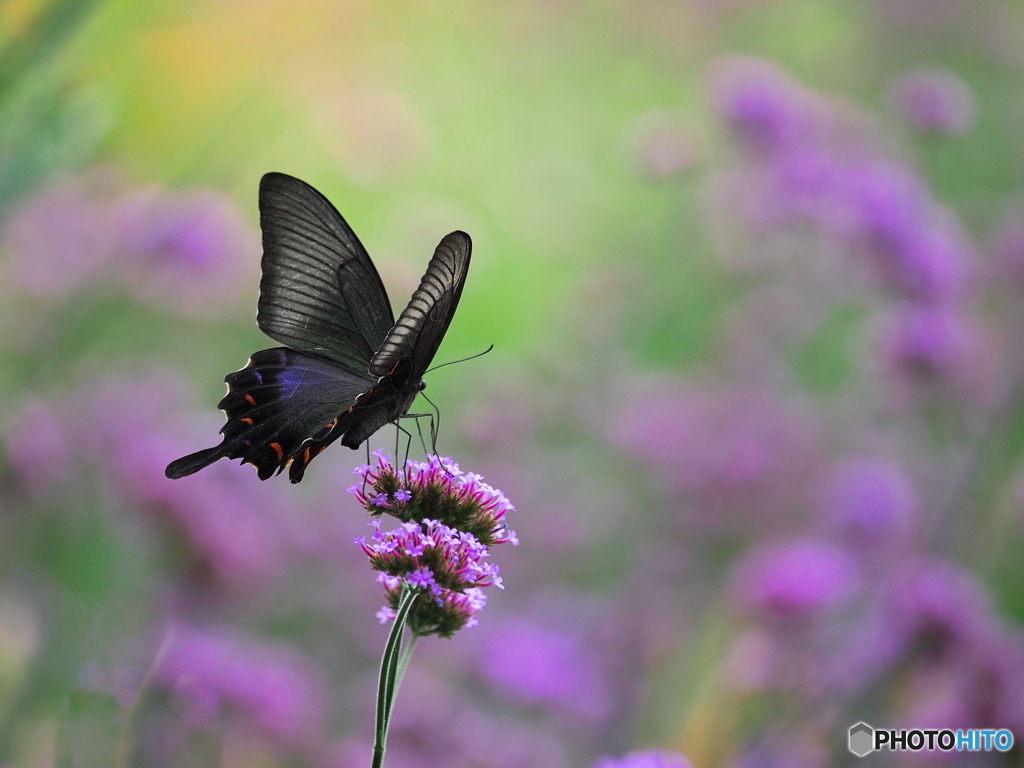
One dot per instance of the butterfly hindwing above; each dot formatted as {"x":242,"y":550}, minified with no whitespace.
{"x":320,"y":292}
{"x":283,"y":409}
{"x":421,"y":327}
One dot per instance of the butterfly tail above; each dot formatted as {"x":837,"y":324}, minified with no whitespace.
{"x":188,"y":465}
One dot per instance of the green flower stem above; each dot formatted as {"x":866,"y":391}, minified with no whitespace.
{"x":391,"y":671}
{"x":403,"y":664}
{"x":124,"y":742}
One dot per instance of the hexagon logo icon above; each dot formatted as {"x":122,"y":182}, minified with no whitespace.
{"x":861,"y":739}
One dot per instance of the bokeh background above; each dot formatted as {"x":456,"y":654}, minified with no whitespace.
{"x":754,"y":274}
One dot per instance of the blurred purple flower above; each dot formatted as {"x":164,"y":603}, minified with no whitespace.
{"x":934,"y":265}
{"x":803,"y":183}
{"x":981,"y":685}
{"x":272,"y":686}
{"x":934,"y":101}
{"x":959,"y":664}
{"x":938,"y":611}
{"x":791,"y":581}
{"x":60,"y":239}
{"x":850,"y":192}
{"x":871,"y":503}
{"x":186,"y":252}
{"x":929,"y":346}
{"x":645,"y":759}
{"x":729,"y":449}
{"x":930,"y":340}
{"x":39,"y":447}
{"x":764,"y":108}
{"x":887,"y":204}
{"x":536,"y":663}
{"x":918,"y":249}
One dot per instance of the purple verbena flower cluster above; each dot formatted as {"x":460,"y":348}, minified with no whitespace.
{"x":449,"y":519}
{"x":445,"y":563}
{"x":436,"y":489}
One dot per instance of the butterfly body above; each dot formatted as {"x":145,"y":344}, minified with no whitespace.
{"x":349,"y":367}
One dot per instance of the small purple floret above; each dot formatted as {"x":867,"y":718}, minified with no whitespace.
{"x":934,"y":101}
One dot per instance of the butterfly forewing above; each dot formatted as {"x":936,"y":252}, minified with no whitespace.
{"x":421,"y":327}
{"x":320,"y":293}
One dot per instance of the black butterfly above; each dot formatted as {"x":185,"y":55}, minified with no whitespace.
{"x":349,"y":368}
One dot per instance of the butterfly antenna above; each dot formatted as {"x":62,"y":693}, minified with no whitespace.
{"x":463,"y":360}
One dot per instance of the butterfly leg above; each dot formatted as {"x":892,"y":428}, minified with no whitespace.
{"x":367,"y":444}
{"x":408,"y":442}
{"x":435,"y":427}
{"x":419,"y":427}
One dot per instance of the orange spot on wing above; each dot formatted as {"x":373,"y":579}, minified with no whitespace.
{"x":305,"y":455}
{"x":278,"y":450}
{"x":250,"y":399}
{"x":247,"y":420}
